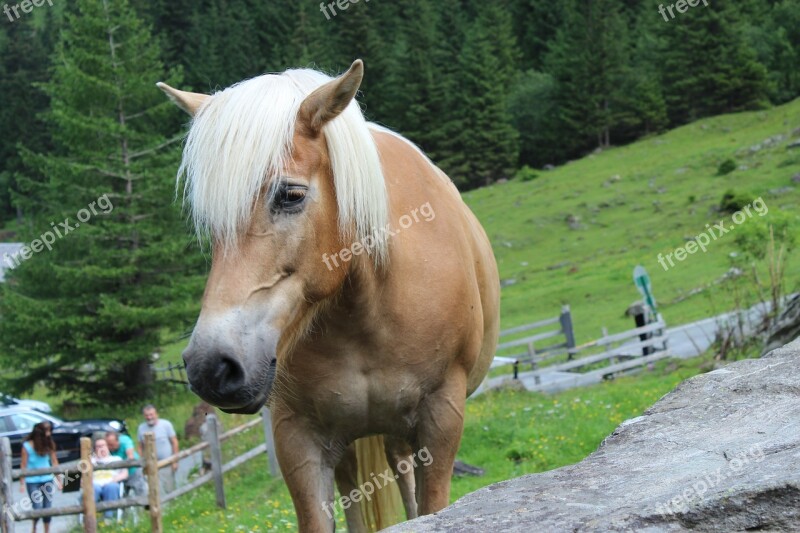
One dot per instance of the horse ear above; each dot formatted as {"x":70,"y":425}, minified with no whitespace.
{"x":327,"y":102}
{"x":189,"y":102}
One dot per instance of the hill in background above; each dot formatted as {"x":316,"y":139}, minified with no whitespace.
{"x":573,"y":234}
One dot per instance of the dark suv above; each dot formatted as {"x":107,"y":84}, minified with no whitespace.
{"x":16,"y":423}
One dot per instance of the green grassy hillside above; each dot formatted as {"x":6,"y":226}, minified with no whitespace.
{"x":630,"y":204}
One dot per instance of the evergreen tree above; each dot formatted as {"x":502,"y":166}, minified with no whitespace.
{"x":589,"y":59}
{"x":782,"y":31}
{"x":534,"y":114}
{"x":309,"y":45}
{"x":489,"y":144}
{"x":707,"y":67}
{"x":85,"y":316}
{"x":409,"y":76}
{"x":223,"y":45}
{"x":535,"y":25}
{"x":25,"y":49}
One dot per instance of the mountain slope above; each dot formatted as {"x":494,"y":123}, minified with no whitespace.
{"x":574,"y":234}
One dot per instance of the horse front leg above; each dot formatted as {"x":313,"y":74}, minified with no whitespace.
{"x":346,"y":474}
{"x":439,"y":429}
{"x":307,"y":469}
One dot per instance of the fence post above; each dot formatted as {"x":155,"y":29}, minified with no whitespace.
{"x":569,"y":333}
{"x":641,"y":318}
{"x":607,"y":346}
{"x":153,"y":482}
{"x":87,"y":487}
{"x":212,"y":437}
{"x":6,"y":483}
{"x":274,"y":467}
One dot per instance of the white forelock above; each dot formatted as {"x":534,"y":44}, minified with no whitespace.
{"x":241,"y":139}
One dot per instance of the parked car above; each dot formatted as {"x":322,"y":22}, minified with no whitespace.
{"x":16,"y":423}
{"x":10,"y":401}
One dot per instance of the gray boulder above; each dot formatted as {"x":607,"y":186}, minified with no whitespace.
{"x":719,"y":453}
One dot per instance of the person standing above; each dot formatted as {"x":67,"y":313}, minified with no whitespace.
{"x":39,"y":451}
{"x":166,"y":444}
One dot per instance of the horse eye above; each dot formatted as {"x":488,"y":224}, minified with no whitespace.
{"x":289,"y":198}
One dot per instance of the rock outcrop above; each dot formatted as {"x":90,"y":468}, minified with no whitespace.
{"x":719,"y":453}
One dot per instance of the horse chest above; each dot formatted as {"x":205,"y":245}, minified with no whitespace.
{"x":364,"y":404}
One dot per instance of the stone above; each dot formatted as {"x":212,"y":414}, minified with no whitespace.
{"x":719,"y":453}
{"x":780,"y":191}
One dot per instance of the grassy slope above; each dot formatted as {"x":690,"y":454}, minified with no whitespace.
{"x":526,"y":222}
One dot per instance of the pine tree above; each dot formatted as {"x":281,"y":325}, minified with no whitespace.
{"x":85,"y":316}
{"x":535,"y":25}
{"x":782,"y":32}
{"x":25,"y":49}
{"x":489,"y":144}
{"x":589,"y":60}
{"x":309,"y":45}
{"x":706,"y":65}
{"x":411,"y":72}
{"x":534,"y":115}
{"x":223,"y":45}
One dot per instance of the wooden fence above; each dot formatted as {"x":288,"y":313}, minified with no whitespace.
{"x":523,"y":349}
{"x":173,"y":373}
{"x":589,"y":363}
{"x":153,"y":500}
{"x":606,"y":357}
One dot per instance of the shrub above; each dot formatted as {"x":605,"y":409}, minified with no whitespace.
{"x":753,"y":237}
{"x":734,"y":201}
{"x":526,"y":173}
{"x":726,"y":167}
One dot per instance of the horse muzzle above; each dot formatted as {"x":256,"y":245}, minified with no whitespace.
{"x":236,"y":381}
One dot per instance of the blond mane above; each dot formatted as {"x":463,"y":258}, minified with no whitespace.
{"x":241,"y":139}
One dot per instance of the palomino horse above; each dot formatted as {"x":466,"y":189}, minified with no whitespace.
{"x":350,"y":286}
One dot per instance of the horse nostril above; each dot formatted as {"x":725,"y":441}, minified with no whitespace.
{"x":229,"y":376}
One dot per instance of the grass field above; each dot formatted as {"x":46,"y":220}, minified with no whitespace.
{"x":630,"y":204}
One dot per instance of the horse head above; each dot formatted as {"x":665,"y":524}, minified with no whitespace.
{"x":278,"y":171}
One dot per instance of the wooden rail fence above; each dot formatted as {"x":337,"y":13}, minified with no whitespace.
{"x":523,"y":349}
{"x":586,"y":364}
{"x":13,"y":512}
